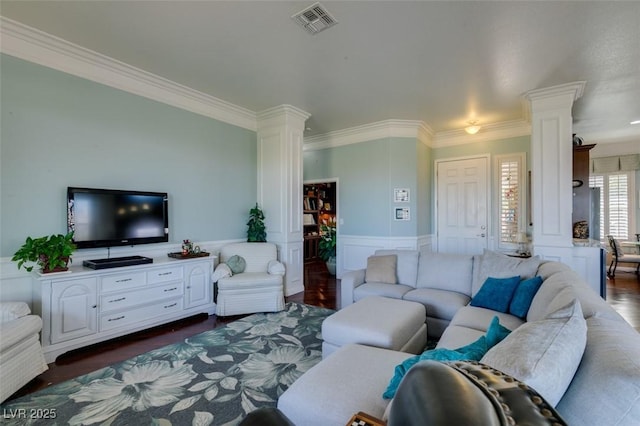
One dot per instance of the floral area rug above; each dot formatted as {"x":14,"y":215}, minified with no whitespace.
{"x":212,"y":378}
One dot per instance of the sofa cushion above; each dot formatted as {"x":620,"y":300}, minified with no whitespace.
{"x":255,"y":280}
{"x":439,"y":303}
{"x":480,"y":318}
{"x":442,"y":271}
{"x":523,"y":296}
{"x":544,"y":354}
{"x":455,"y":336}
{"x":381,"y":269}
{"x":606,"y":388}
{"x":407,"y":266}
{"x":395,"y":291}
{"x":498,"y":265}
{"x":496,"y":293}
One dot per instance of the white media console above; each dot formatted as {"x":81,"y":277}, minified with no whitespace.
{"x":86,"y":306}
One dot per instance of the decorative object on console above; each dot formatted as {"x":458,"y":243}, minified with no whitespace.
{"x":581,"y":230}
{"x":523,"y":243}
{"x":187,"y":246}
{"x":256,"y":232}
{"x":51,"y":253}
{"x":577,"y":140}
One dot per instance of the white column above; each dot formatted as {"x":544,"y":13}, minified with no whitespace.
{"x":551,"y":165}
{"x":280,"y":138}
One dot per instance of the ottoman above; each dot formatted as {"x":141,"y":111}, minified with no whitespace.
{"x":377,"y":321}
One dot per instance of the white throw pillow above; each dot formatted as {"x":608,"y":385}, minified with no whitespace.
{"x":544,"y":354}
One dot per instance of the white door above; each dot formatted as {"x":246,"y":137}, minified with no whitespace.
{"x":462,"y":207}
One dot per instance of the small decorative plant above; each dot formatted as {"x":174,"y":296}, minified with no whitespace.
{"x":256,"y":232}
{"x":51,"y":253}
{"x":327,"y":244}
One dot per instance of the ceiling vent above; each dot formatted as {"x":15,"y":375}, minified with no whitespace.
{"x":314,"y":18}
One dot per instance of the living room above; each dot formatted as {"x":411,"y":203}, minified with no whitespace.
{"x":76,"y":115}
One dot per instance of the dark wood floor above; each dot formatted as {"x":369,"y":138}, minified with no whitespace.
{"x":321,"y":289}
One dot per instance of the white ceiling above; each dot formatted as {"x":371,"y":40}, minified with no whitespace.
{"x":444,"y":63}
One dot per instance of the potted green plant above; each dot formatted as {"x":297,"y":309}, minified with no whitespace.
{"x":256,"y":232}
{"x":327,"y":247}
{"x":51,"y":253}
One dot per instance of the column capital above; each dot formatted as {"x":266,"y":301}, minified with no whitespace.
{"x":280,"y":115}
{"x":569,"y":91}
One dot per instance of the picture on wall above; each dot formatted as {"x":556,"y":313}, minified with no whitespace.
{"x":401,"y":195}
{"x":402,"y":213}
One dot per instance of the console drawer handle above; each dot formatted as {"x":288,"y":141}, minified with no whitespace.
{"x":170,"y":306}
{"x":117,"y":300}
{"x":170,"y":289}
{"x":124,"y":280}
{"x":116,"y":318}
{"x":164,"y":273}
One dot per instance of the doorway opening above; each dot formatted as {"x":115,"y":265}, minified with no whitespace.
{"x":320,"y":223}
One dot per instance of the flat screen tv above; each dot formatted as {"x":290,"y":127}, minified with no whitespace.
{"x":111,"y":217}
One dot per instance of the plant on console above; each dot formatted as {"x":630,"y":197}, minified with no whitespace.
{"x":51,"y":253}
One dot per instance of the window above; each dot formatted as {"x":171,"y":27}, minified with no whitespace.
{"x":511,"y":187}
{"x":615,"y":207}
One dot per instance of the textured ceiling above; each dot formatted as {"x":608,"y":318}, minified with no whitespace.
{"x":444,"y":63}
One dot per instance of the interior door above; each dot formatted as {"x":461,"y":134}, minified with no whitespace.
{"x":462,"y":205}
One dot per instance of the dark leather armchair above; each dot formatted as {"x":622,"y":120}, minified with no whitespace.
{"x":467,"y":393}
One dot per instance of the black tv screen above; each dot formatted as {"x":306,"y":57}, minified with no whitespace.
{"x":111,"y":217}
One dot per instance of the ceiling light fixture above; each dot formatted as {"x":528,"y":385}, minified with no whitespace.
{"x":473,"y":127}
{"x":635,"y":122}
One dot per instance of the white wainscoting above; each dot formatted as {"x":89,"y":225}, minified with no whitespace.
{"x":353,"y":250}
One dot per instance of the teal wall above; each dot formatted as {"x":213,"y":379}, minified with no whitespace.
{"x":493,"y":148}
{"x":59,"y":130}
{"x":367,"y":173}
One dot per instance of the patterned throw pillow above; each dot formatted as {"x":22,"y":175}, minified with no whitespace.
{"x":236,"y":264}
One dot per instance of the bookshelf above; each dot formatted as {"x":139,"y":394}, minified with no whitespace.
{"x":319,"y":207}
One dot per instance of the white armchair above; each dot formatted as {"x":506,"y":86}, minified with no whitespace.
{"x":259,"y":288}
{"x":21,"y":357}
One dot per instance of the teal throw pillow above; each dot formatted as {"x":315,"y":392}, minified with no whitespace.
{"x":471,"y":352}
{"x":236,"y":264}
{"x":496,"y":293}
{"x":523,"y":296}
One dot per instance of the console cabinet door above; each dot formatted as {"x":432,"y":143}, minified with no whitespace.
{"x":73,"y":309}
{"x":199,"y":288}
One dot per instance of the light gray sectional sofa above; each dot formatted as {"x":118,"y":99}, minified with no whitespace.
{"x":571,"y":347}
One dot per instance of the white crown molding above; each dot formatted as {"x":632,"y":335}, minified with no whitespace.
{"x":488,"y":132}
{"x":368,"y":132}
{"x":36,"y":46}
